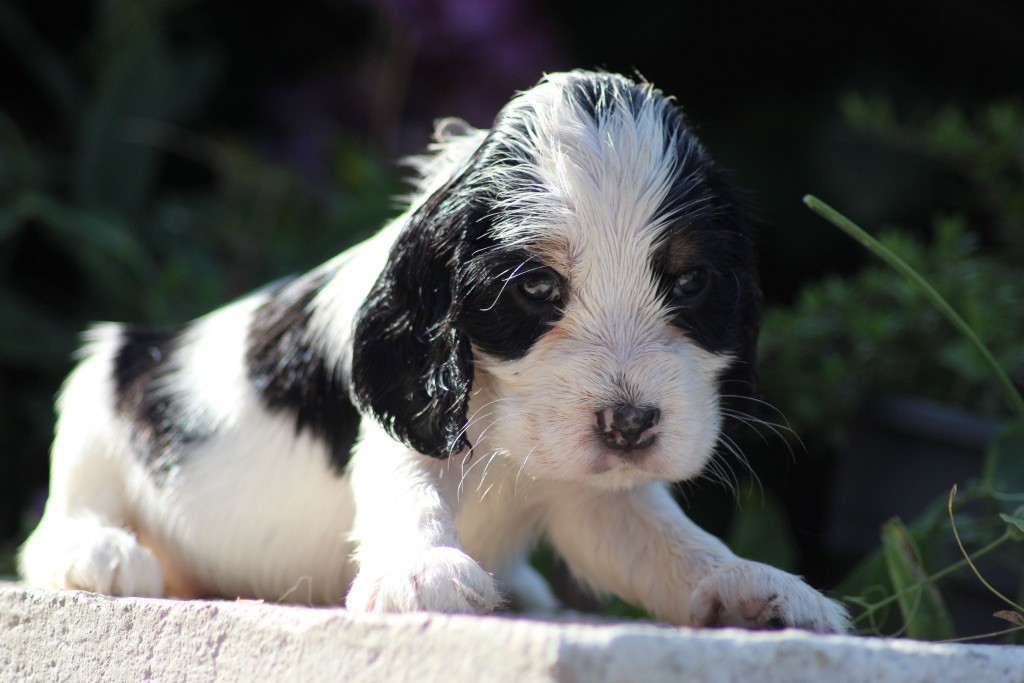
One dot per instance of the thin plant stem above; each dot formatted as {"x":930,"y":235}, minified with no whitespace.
{"x":1010,"y":393}
{"x":956,"y":534}
{"x":967,"y":639}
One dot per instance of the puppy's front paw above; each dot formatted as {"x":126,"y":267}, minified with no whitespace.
{"x":435,"y":580}
{"x":85,"y":555}
{"x":754,"y":595}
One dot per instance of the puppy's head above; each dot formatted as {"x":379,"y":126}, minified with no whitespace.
{"x":577,"y":288}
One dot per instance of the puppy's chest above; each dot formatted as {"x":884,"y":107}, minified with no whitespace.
{"x":498,"y":510}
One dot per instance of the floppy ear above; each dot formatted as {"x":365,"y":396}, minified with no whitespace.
{"x":412,"y":369}
{"x":751,"y":301}
{"x":736,"y":217}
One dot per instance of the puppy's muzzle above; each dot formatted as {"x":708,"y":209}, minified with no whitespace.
{"x":628,"y":427}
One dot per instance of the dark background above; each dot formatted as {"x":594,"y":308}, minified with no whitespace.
{"x":178,"y":154}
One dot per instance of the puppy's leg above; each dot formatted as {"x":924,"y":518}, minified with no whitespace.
{"x":82,"y":541}
{"x":407,"y":545}
{"x":86,"y":552}
{"x":639,"y":545}
{"x":528,"y":588}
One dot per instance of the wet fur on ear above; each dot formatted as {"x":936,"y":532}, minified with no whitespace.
{"x":735,"y":216}
{"x":412,"y":369}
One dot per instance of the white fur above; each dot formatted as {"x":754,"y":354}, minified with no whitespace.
{"x":256,"y":510}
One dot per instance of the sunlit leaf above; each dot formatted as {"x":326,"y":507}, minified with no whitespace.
{"x":1015,"y":618}
{"x":924,"y":612}
{"x":1016,"y":522}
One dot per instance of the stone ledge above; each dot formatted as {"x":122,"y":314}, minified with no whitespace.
{"x":73,"y":636}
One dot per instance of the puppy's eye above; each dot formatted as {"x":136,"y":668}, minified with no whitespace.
{"x":541,"y":286}
{"x":691,"y":285}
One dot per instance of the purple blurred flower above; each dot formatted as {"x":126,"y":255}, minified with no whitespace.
{"x":438,"y":58}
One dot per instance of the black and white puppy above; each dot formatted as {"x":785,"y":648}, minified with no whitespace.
{"x":535,"y":347}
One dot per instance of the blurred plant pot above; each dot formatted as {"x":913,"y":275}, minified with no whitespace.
{"x":903,"y":453}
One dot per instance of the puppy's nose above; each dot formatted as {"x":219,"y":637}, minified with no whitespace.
{"x":628,"y":427}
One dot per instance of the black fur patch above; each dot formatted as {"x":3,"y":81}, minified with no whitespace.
{"x":162,"y":429}
{"x":718,"y":235}
{"x":412,"y":367}
{"x":704,"y":213}
{"x":291,"y":373}
{"x":495,"y":314}
{"x":598,"y":93}
{"x":708,"y":215}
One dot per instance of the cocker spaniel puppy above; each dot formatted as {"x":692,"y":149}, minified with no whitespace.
{"x":535,"y":347}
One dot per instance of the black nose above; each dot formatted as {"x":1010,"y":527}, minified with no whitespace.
{"x":627,"y":426}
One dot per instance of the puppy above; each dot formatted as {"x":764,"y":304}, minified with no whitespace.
{"x":536,"y":347}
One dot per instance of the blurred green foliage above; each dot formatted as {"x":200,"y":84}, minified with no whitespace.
{"x":847,"y":339}
{"x":120,"y":212}
{"x":984,"y":148}
{"x":898,"y":589}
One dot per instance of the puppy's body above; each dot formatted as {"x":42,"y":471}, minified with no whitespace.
{"x":543,"y":339}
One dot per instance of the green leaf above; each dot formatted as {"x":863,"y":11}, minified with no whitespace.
{"x":924,"y":612}
{"x":1016,"y":523}
{"x":869,"y":576}
{"x":1004,"y":463}
{"x":617,"y":608}
{"x":117,"y":163}
{"x":760,"y":530}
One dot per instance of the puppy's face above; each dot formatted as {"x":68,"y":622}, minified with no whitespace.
{"x":602,"y":289}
